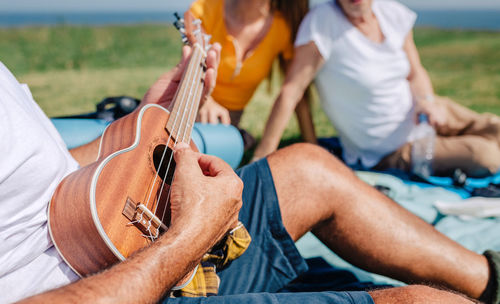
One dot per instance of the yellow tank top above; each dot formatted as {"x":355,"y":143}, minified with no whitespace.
{"x":236,"y":82}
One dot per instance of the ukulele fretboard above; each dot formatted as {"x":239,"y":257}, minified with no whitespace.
{"x":187,"y":98}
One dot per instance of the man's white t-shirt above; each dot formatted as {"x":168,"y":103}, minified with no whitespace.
{"x":33,"y":160}
{"x":363,"y":84}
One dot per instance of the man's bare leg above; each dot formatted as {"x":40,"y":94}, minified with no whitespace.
{"x":417,"y":294}
{"x":317,"y":192}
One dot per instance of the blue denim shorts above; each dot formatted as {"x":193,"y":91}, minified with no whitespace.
{"x":272,"y":260}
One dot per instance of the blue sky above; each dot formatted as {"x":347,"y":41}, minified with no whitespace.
{"x":169,"y":5}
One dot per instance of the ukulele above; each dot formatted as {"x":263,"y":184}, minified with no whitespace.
{"x":102,"y":213}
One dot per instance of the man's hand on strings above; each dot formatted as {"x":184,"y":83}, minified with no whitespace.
{"x":206,"y":196}
{"x":163,"y":90}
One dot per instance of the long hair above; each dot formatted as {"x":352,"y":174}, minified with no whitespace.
{"x":293,"y":12}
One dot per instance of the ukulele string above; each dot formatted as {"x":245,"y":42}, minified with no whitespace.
{"x":160,"y":165}
{"x":187,"y":136}
{"x":190,"y":97}
{"x":183,"y":97}
{"x":189,"y":72}
{"x":193,"y":83}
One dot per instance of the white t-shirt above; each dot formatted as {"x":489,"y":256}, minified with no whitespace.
{"x":33,"y":160}
{"x":363,"y":86}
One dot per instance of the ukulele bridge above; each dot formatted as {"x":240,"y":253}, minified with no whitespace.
{"x":141,"y":217}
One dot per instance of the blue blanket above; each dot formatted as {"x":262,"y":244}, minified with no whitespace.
{"x":475,"y":234}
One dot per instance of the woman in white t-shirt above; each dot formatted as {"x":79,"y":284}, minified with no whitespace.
{"x":372,"y":84}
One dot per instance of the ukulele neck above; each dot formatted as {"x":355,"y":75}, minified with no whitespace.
{"x":188,"y":96}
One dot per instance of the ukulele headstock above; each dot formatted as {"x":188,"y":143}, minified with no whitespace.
{"x":191,"y":32}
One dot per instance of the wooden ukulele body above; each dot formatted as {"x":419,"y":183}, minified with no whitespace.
{"x":95,"y":218}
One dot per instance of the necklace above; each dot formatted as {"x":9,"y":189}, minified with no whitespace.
{"x":246,"y":35}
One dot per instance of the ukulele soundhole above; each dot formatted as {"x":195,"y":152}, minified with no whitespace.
{"x":164,"y":163}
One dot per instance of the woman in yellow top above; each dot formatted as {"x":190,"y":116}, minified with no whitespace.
{"x":252,"y":33}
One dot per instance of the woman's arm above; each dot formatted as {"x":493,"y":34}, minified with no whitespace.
{"x":421,"y":86}
{"x":305,"y":64}
{"x":304,"y":117}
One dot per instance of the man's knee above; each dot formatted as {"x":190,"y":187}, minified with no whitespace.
{"x":476,"y":156}
{"x":310,"y":167}
{"x":304,"y":154}
{"x":417,"y":294}
{"x":486,"y":159}
{"x":309,"y":162}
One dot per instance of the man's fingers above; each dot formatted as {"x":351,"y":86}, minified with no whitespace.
{"x":217,"y":49}
{"x":176,"y":73}
{"x":186,"y":52}
{"x":188,"y":26}
{"x":186,"y":160}
{"x":214,"y":166}
{"x":213,"y":56}
{"x":210,"y":79}
{"x":180,"y":146}
{"x":179,"y":69}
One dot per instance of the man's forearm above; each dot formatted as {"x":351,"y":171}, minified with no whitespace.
{"x":144,"y":278}
{"x":87,"y":153}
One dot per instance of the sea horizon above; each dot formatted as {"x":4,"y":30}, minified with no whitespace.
{"x":445,"y":19}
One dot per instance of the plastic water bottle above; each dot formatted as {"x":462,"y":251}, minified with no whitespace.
{"x":422,"y":151}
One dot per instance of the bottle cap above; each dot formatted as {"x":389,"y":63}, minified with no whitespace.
{"x":422,"y":117}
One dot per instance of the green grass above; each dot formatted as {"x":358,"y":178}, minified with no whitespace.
{"x":70,"y":68}
{"x":463,"y":65}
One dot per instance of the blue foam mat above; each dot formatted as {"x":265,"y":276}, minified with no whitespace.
{"x":224,"y":141}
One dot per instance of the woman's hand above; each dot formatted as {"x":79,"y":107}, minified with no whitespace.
{"x":212,"y":112}
{"x":434,"y":111}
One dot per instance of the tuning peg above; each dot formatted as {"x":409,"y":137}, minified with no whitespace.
{"x":206,"y":39}
{"x":179,"y":25}
{"x":184,"y":38}
{"x":197,"y":30}
{"x":179,"y":22}
{"x":179,"y":19}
